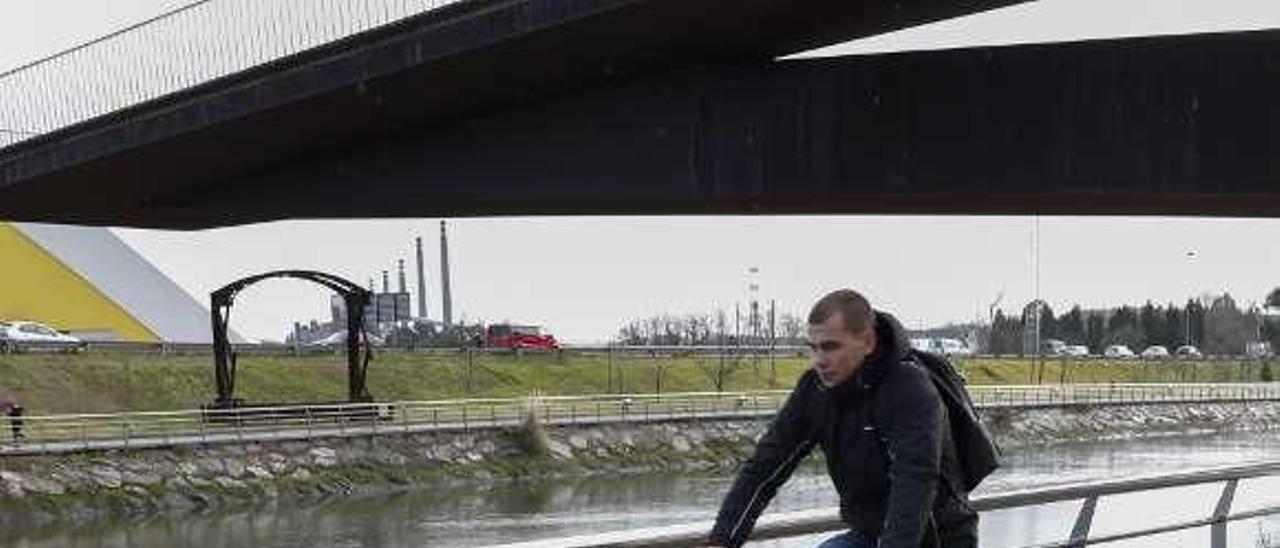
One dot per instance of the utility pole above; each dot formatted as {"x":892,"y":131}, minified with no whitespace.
{"x":773,"y":342}
{"x":1187,"y":316}
{"x":991,"y":319}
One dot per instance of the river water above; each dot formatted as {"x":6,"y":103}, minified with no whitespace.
{"x":467,"y":517}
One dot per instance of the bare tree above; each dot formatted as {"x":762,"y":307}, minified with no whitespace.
{"x":720,"y":370}
{"x":791,"y":329}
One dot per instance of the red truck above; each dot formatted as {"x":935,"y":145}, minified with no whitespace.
{"x":505,"y":335}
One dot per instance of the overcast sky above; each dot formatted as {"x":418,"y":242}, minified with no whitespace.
{"x":583,"y":277}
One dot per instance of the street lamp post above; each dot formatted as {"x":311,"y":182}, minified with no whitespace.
{"x":1186,"y":315}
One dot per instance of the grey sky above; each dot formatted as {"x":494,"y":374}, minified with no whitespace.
{"x":584,"y":276}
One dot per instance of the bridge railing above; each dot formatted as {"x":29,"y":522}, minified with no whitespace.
{"x":192,"y":44}
{"x":79,"y":432}
{"x":1080,"y":533}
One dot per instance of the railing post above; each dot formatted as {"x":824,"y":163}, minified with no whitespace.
{"x":1084,"y":520}
{"x":1218,"y":532}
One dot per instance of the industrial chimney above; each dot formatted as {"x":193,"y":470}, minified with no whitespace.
{"x":447,"y":298}
{"x":422,"y":282}
{"x":400,"y":272}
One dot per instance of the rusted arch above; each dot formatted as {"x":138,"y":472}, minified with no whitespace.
{"x":224,"y":357}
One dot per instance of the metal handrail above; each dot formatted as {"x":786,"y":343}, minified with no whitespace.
{"x":77,"y":432}
{"x":804,"y":522}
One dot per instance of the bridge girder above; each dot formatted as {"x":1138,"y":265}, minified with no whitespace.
{"x":1165,"y":125}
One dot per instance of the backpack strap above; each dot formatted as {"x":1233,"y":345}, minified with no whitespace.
{"x":868,"y":409}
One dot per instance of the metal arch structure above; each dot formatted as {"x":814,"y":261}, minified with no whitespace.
{"x":224,"y":357}
{"x":548,"y":107}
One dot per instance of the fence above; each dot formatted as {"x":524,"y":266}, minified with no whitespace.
{"x":81,"y":432}
{"x":164,"y":348}
{"x":744,"y":350}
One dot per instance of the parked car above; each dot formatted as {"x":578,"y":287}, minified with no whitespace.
{"x":1258,"y":350}
{"x":24,"y":335}
{"x":1053,"y":347}
{"x":1118,"y":351}
{"x":339,"y":339}
{"x":1076,"y":351}
{"x":504,"y":335}
{"x":945,"y":346}
{"x":1188,"y":351}
{"x":953,"y":347}
{"x":1155,"y":352}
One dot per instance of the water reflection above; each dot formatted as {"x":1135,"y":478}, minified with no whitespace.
{"x":456,"y":517}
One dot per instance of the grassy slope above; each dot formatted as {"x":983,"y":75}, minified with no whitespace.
{"x":116,"y":382}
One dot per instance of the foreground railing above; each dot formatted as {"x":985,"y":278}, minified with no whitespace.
{"x":791,"y":524}
{"x":78,"y":432}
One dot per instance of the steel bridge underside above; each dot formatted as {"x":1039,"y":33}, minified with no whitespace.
{"x":671,"y":107}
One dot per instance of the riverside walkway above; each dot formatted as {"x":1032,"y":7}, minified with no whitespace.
{"x":53,"y":434}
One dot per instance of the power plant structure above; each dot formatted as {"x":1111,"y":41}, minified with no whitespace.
{"x":446,"y":294}
{"x":389,"y":309}
{"x":422,"y":280}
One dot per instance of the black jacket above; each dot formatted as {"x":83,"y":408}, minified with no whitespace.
{"x":888,"y":452}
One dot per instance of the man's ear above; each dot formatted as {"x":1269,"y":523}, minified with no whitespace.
{"x":868,"y":337}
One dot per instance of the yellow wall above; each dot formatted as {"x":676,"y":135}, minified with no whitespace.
{"x":35,"y":285}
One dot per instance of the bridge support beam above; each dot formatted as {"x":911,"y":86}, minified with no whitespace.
{"x":1150,"y":126}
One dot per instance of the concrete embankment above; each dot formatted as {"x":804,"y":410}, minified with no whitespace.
{"x":83,"y":487}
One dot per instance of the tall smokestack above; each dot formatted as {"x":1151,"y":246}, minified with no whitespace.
{"x":386,"y":283}
{"x":444,"y":278}
{"x":422,"y":282}
{"x":400,"y":272}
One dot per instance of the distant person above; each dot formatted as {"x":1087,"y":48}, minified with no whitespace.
{"x":11,"y":407}
{"x":882,"y":426}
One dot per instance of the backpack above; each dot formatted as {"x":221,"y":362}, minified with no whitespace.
{"x":976,"y":450}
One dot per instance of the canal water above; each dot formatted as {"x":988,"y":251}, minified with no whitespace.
{"x":467,"y":517}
